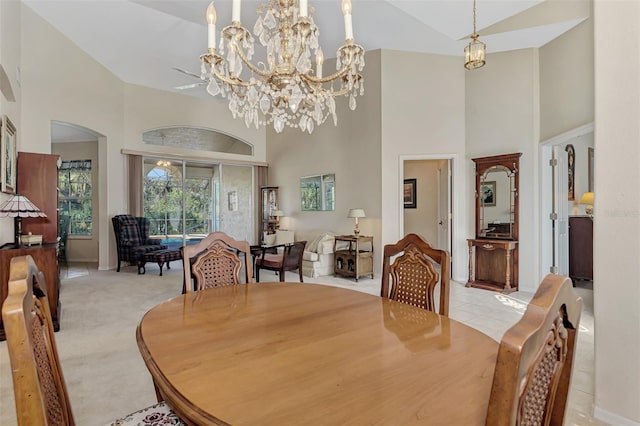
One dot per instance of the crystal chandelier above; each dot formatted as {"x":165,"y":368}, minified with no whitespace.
{"x":475,"y":52}
{"x":286,"y":91}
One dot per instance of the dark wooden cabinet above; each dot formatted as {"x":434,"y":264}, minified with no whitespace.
{"x":46,"y":257}
{"x":581,"y":247}
{"x":493,"y":253}
{"x":493,"y":264}
{"x":38,"y":181}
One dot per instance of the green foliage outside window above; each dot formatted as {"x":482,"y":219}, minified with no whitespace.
{"x":75,"y":192}
{"x":162,"y":202}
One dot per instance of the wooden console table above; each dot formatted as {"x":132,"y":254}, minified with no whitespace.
{"x":46,"y":257}
{"x":493,"y":265}
{"x":356,"y":260}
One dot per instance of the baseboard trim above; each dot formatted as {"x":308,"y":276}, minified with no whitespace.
{"x":612,"y":418}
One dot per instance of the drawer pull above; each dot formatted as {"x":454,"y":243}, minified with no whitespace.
{"x":487,"y":246}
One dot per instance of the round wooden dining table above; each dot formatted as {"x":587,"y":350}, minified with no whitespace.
{"x":302,"y":354}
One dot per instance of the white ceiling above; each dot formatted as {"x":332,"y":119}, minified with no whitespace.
{"x":141,"y":41}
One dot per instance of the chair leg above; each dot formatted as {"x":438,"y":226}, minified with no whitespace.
{"x":300,"y":272}
{"x":118,"y":270}
{"x":281,"y":273}
{"x":257,"y":273}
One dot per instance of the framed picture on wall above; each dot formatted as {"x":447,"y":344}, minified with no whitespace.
{"x":8,"y":158}
{"x":233,"y":201}
{"x":409,"y":194}
{"x":488,"y":193}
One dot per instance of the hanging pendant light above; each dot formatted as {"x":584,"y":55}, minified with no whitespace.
{"x":476,"y":51}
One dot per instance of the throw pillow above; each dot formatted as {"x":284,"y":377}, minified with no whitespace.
{"x":313,"y":245}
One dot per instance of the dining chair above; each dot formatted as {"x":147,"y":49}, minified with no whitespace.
{"x":535,"y":359}
{"x":40,"y":391}
{"x":216,"y":261}
{"x":289,"y":259}
{"x":413,"y":273}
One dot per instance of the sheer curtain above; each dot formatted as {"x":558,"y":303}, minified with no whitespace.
{"x":135,"y":185}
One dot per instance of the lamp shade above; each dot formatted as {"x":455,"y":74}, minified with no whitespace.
{"x":356,"y":213}
{"x":20,"y":206}
{"x":587,"y":198}
{"x":278,"y":213}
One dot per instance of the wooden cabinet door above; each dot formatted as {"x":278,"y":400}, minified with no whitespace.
{"x":38,"y":181}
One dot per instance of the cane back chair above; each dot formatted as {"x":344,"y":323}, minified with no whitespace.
{"x":535,"y":359}
{"x":414,"y":275}
{"x":40,"y":391}
{"x":216,"y":261}
{"x":289,"y":259}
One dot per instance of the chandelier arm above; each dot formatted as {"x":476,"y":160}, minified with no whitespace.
{"x":249,"y":64}
{"x":231,"y":82}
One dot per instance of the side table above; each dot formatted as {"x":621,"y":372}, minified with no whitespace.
{"x":356,"y":260}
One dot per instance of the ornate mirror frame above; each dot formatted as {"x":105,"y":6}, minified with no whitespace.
{"x":509,"y":163}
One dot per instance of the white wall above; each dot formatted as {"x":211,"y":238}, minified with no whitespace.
{"x":617,"y":212}
{"x":566,"y":79}
{"x":502,"y":116}
{"x":423,"y":108}
{"x":10,"y":59}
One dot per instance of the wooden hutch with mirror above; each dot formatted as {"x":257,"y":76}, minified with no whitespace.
{"x":493,"y":253}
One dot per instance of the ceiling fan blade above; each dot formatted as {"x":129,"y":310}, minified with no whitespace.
{"x":189,"y":86}
{"x":185,"y":72}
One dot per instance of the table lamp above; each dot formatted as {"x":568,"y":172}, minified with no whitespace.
{"x":277,"y":214}
{"x":17,"y":207}
{"x":587,"y":198}
{"x":356,"y":213}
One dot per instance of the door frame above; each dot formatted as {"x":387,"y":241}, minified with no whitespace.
{"x":453,"y":164}
{"x":545,"y":181}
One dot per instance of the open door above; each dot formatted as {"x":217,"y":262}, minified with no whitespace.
{"x":560,"y":214}
{"x":444,"y":205}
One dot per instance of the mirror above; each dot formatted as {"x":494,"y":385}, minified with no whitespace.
{"x":317,"y":193}
{"x":497,"y":197}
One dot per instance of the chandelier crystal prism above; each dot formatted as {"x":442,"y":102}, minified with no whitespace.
{"x":287,"y":90}
{"x":476,"y":51}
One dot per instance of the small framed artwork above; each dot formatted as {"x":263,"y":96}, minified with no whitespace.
{"x":233,"y":201}
{"x":409,"y":194}
{"x":488,"y":193}
{"x":8,"y":158}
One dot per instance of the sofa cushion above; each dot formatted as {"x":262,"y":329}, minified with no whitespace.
{"x":312,"y":246}
{"x":310,"y":256}
{"x":325,"y":246}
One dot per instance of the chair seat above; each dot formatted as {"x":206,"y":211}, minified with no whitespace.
{"x":158,"y":414}
{"x":270,"y":261}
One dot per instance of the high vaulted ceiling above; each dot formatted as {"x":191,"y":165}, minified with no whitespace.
{"x":141,"y":41}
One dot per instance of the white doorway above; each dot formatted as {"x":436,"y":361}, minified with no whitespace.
{"x":555,"y":206}
{"x":430,"y":214}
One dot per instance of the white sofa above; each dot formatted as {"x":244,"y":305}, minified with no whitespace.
{"x":317,"y":259}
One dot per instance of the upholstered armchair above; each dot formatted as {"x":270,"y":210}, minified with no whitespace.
{"x":132,"y":238}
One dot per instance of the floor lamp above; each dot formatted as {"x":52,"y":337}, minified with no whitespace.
{"x":17,"y":207}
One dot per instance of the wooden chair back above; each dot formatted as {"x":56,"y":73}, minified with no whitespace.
{"x":289,"y":260}
{"x":215,"y":261}
{"x":535,"y":359}
{"x":413,"y":273}
{"x":39,"y":387}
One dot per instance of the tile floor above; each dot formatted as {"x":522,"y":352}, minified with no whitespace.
{"x":106,"y":377}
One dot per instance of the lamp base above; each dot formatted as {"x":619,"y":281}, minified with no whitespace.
{"x":589,"y":210}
